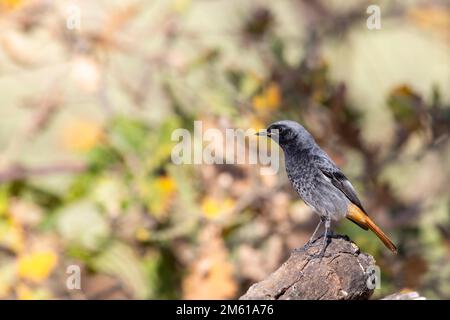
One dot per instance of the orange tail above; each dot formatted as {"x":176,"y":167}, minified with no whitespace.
{"x":356,"y":215}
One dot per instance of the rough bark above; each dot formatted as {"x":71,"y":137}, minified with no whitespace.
{"x":341,"y":274}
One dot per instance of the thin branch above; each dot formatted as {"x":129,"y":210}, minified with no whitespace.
{"x":19,"y":172}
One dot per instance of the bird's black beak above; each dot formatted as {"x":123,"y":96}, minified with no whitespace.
{"x":263,"y":134}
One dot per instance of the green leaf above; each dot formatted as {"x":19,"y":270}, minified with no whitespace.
{"x":128,"y":134}
{"x":119,"y":260}
{"x":81,"y":224}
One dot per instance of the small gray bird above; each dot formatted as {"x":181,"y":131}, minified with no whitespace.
{"x":318,"y":181}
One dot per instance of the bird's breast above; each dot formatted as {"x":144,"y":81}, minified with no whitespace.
{"x":316,"y":191}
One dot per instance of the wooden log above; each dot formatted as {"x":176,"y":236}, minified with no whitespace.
{"x":341,"y":274}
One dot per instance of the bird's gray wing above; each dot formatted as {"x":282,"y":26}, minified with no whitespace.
{"x":337,"y":178}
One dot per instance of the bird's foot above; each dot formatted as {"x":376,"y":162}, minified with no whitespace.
{"x":322,"y":251}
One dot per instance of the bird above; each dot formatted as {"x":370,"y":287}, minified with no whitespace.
{"x":319,"y":182}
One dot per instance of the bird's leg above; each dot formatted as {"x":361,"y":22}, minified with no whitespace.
{"x":311,"y":240}
{"x":325,"y":236}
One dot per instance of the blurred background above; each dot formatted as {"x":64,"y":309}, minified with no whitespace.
{"x":88,"y":106}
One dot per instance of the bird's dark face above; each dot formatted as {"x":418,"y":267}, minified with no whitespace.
{"x":287,"y":132}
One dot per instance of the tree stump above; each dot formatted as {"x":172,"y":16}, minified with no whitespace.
{"x":341,"y":274}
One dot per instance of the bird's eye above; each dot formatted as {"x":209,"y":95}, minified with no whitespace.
{"x":280,"y":129}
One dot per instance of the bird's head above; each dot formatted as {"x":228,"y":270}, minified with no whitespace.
{"x":288,"y":133}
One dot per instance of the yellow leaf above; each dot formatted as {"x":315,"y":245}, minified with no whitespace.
{"x":165,"y":184}
{"x":82,"y":135}
{"x":212,"y":208}
{"x":257,"y":124}
{"x":259,"y":102}
{"x":273,"y":96}
{"x":269,"y":99}
{"x":159,"y":194}
{"x":142,"y":234}
{"x":11,"y":4}
{"x":37,"y":266}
